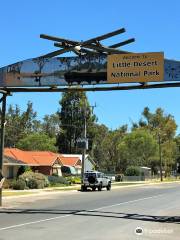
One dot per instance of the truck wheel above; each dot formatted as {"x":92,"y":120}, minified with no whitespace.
{"x":93,"y":188}
{"x":100,"y":187}
{"x":108,"y":187}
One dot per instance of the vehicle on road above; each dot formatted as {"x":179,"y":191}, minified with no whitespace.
{"x":95,"y":180}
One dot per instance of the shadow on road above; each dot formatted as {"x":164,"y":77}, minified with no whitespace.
{"x":90,"y":213}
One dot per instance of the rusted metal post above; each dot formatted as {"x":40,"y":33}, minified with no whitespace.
{"x":3,"y":112}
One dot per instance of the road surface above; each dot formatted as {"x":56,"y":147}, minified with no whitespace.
{"x":144,"y":212}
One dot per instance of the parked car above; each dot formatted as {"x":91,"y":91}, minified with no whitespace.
{"x":95,"y":179}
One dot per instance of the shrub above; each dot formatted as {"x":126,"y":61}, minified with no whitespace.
{"x":55,"y":174}
{"x":19,"y":184}
{"x":132,"y":171}
{"x":55,"y":180}
{"x":23,"y":169}
{"x":40,"y":184}
{"x":74,"y":180}
{"x":32,"y":183}
{"x":8,"y":183}
{"x":34,"y":180}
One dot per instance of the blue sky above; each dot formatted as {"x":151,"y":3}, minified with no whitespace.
{"x":154,"y":24}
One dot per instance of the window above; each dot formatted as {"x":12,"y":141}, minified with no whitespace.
{"x":10,"y":172}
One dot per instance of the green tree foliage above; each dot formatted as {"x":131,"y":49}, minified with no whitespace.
{"x":105,"y":148}
{"x":159,"y":122}
{"x":163,"y":127}
{"x":98,"y":152}
{"x":74,"y":109}
{"x":37,"y":142}
{"x":19,"y":124}
{"x":112,"y":158}
{"x":177,"y":162}
{"x":138,"y":148}
{"x":132,"y":171}
{"x":51,"y":125}
{"x":169,"y":156}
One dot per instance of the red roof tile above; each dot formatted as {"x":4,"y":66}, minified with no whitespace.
{"x":70,"y":161}
{"x":42,"y":158}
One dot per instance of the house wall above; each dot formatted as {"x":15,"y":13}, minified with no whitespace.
{"x":57,"y":169}
{"x":78,"y":171}
{"x":10,"y":171}
{"x":46,"y":170}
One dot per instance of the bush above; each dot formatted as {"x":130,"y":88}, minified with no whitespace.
{"x":8,"y":183}
{"x":74,"y":180}
{"x":132,"y":171}
{"x":19,"y":184}
{"x":55,"y":180}
{"x":34,"y":180}
{"x":32,"y":184}
{"x":23,"y":169}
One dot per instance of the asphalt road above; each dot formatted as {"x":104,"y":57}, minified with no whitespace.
{"x":154,"y":210}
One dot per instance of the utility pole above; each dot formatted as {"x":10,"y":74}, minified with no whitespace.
{"x":84,"y":149}
{"x":85,"y":144}
{"x":3,"y":112}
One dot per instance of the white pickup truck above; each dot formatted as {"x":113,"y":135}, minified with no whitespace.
{"x":95,"y":179}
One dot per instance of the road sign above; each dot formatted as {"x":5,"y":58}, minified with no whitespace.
{"x":135,"y":67}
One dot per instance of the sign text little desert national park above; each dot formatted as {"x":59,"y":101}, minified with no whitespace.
{"x":135,"y":67}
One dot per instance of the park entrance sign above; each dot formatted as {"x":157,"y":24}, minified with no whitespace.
{"x":90,"y":70}
{"x":135,"y":67}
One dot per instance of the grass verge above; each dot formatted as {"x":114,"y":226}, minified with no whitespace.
{"x":7,"y":194}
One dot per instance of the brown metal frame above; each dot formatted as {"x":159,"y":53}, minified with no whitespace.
{"x":92,"y":88}
{"x":90,"y":46}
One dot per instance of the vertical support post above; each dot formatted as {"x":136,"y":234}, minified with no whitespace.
{"x":160,"y":157}
{"x":3,"y":112}
{"x":84,"y":150}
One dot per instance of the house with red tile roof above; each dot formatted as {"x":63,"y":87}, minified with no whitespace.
{"x":40,"y":161}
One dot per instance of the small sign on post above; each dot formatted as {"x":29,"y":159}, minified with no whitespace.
{"x":82,"y":143}
{"x":135,"y":67}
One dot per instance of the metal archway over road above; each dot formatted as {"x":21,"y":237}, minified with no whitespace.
{"x":95,"y":67}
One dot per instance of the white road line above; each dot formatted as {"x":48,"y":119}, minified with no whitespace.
{"x":39,"y":221}
{"x":68,"y":215}
{"x":131,"y":201}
